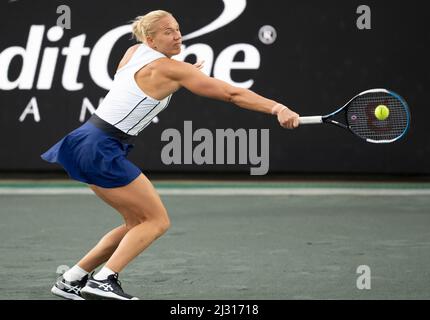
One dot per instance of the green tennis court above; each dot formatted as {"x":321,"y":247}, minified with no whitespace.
{"x":230,"y":240}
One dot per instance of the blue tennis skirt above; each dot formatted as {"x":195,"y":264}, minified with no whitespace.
{"x":93,"y":155}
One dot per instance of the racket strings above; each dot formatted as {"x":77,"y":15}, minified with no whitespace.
{"x":363,"y":122}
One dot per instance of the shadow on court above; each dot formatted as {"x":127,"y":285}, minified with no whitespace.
{"x":230,"y":247}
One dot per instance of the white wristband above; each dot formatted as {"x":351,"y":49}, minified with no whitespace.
{"x":277,"y":108}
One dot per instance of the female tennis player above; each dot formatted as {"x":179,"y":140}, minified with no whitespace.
{"x":96,"y":152}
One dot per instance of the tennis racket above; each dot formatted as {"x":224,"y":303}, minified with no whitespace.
{"x":358,"y":116}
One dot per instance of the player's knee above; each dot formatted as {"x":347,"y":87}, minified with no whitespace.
{"x":162,"y":220}
{"x":162,"y":224}
{"x":167,"y":224}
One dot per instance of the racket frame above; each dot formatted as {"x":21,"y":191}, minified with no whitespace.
{"x":327,"y":118}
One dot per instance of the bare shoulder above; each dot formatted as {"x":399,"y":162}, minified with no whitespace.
{"x":172,"y":68}
{"x":128,"y":54}
{"x":166,"y":63}
{"x":132,"y":49}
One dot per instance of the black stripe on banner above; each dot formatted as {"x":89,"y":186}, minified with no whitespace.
{"x":225,"y":309}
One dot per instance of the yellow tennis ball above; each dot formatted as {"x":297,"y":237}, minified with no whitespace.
{"x":382,"y":112}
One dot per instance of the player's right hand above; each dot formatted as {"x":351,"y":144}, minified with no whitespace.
{"x":288,"y":119}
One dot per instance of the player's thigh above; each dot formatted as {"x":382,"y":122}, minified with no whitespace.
{"x":137,"y":200}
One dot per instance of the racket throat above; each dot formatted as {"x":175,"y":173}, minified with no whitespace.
{"x":336,"y":123}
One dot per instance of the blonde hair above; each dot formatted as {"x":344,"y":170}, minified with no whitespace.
{"x":143,"y":26}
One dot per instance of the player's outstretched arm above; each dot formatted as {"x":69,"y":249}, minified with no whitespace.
{"x":189,"y":77}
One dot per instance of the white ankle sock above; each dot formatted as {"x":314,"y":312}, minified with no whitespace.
{"x":74,"y":273}
{"x":103,"y":273}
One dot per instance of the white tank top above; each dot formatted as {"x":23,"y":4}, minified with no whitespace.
{"x":126,"y":106}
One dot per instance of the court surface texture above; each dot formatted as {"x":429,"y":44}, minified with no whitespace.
{"x":230,"y":240}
